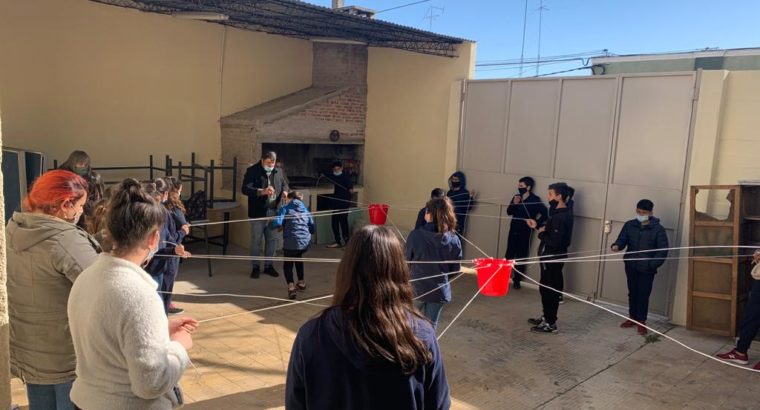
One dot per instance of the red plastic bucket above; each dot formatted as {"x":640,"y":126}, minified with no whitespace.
{"x":499,"y":269}
{"x":378,"y":213}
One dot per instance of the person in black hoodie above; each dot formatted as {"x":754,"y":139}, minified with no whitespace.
{"x":371,"y":349}
{"x":264,"y":185}
{"x":461,"y":198}
{"x":434,"y":194}
{"x":525,"y":205}
{"x":341,"y":201}
{"x":638,"y":235}
{"x":555,"y":238}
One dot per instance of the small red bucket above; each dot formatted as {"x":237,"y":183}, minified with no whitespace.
{"x":499,"y":269}
{"x":378,"y":213}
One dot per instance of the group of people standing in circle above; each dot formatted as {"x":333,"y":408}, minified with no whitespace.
{"x":89,"y":325}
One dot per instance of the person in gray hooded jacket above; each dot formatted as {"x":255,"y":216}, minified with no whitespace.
{"x":46,"y":251}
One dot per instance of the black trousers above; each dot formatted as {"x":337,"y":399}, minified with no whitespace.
{"x":551,"y":275}
{"x":518,"y":247}
{"x":287,"y":266}
{"x":639,"y":289}
{"x":340,"y":223}
{"x":751,"y":320}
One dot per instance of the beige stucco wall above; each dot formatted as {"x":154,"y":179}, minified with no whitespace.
{"x":725,"y":148}
{"x":122,"y":84}
{"x":412,"y":126}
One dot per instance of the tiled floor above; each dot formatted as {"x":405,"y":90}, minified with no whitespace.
{"x":492,"y":360}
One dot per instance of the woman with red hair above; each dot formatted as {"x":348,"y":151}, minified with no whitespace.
{"x":46,"y":252}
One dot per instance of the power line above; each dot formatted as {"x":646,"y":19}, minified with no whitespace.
{"x":593,"y":53}
{"x":402,"y":6}
{"x":564,"y":71}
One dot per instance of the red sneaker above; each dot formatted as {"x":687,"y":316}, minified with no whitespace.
{"x":734,"y":356}
{"x":641,"y":329}
{"x":627,"y":324}
{"x":757,"y":366}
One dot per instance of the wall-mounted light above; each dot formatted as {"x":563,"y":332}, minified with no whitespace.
{"x":200,"y":15}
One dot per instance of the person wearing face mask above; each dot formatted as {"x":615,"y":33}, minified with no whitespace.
{"x":639,"y":235}
{"x":525,"y":205}
{"x":555,"y":236}
{"x":461,"y":198}
{"x":78,"y":162}
{"x":341,"y":201}
{"x":129,"y":355}
{"x":169,"y":246}
{"x":46,"y":253}
{"x":265,"y":185}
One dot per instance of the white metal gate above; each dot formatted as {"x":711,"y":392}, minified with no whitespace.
{"x":616,"y":139}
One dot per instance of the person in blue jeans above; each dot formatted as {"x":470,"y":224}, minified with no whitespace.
{"x":750,"y":324}
{"x":437,"y":240}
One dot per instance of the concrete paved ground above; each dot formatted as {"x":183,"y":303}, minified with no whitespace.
{"x":492,"y":360}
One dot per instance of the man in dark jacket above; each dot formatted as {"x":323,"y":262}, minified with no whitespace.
{"x":341,"y":201}
{"x":638,"y":236}
{"x":461,"y":199}
{"x":555,"y":238}
{"x":434,"y":194}
{"x":264,"y":184}
{"x":525,"y":205}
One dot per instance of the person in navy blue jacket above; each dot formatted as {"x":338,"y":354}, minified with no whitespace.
{"x":371,"y":349}
{"x":638,"y":235}
{"x":167,"y":246}
{"x":435,"y":193}
{"x":437,"y":240}
{"x":298,"y":225}
{"x":180,"y":229}
{"x":525,"y":205}
{"x":462,"y":199}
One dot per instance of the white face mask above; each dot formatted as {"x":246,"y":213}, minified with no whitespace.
{"x":642,"y":218}
{"x":268,"y":169}
{"x":151,"y":254}
{"x":76,"y":218}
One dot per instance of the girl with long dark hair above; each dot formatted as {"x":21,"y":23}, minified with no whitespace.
{"x":370,"y":349}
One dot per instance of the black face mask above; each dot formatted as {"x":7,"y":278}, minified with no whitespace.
{"x":522,"y":191}
{"x":455,"y":184}
{"x":553,"y":204}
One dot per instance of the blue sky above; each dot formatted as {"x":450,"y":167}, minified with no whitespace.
{"x":575,"y":26}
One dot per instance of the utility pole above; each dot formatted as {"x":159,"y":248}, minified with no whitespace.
{"x":522,"y":49}
{"x":541,"y":9}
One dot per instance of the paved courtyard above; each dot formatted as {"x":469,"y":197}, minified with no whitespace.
{"x":492,"y":359}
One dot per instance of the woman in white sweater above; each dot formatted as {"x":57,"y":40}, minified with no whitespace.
{"x":129,"y":356}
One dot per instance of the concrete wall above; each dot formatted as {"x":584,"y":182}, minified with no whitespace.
{"x":731,"y":63}
{"x":412,"y":126}
{"x":121,"y":84}
{"x":725,"y":148}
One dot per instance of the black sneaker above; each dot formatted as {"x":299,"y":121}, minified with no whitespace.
{"x":175,"y":310}
{"x":335,"y":245}
{"x":536,"y":321}
{"x":292,"y":293}
{"x":561,"y":299}
{"x":255,"y":272}
{"x":544,"y":328}
{"x":516,"y":284}
{"x":269,"y":270}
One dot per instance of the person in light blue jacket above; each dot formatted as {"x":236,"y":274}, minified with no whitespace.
{"x":298,"y":226}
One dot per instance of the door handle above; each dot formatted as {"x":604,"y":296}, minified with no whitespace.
{"x":607,"y":227}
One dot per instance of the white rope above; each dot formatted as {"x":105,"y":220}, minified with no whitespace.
{"x":233,"y":295}
{"x":472,"y":299}
{"x":290,"y":303}
{"x":315,"y":214}
{"x":439,"y":287}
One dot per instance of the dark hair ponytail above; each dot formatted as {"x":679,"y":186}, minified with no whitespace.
{"x":132,"y":215}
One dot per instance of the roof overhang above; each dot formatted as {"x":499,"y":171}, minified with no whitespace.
{"x":294,"y":18}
